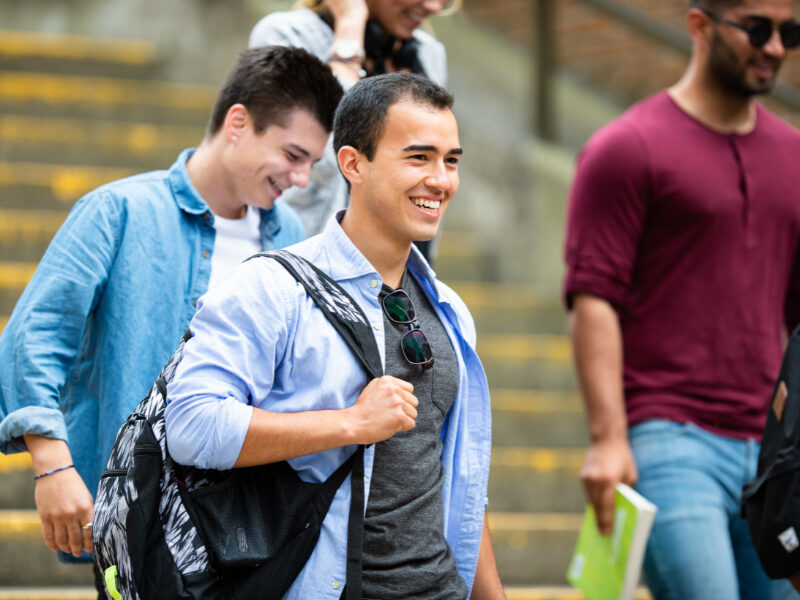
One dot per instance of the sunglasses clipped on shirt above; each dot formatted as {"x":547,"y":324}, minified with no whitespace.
{"x":760,"y":29}
{"x":415,"y":346}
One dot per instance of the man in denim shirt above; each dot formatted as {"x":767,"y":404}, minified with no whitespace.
{"x":120,"y":281}
{"x":267,"y":378}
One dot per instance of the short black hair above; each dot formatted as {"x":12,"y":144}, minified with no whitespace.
{"x":271,"y":82}
{"x":714,"y":5}
{"x":361,"y":116}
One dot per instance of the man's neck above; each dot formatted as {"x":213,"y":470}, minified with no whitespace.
{"x":387,"y":256}
{"x":703,"y":99}
{"x":208,"y":176}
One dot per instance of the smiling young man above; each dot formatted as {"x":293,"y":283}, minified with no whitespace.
{"x":683,"y":279}
{"x":120,"y":281}
{"x":252,"y":391}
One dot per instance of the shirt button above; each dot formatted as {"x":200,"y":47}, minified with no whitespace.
{"x":206,"y":216}
{"x":377,"y":325}
{"x":206,"y":254}
{"x":336,"y":585}
{"x":194,"y":301}
{"x":373,"y":283}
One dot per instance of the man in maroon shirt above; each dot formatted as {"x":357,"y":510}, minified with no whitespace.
{"x":683,"y":277}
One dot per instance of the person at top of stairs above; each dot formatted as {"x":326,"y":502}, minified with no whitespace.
{"x":119,"y":283}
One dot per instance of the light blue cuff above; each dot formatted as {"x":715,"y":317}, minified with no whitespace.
{"x":37,"y":420}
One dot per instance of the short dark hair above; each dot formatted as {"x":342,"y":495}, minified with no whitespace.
{"x":714,"y":5}
{"x":271,"y":82}
{"x":361,"y":116}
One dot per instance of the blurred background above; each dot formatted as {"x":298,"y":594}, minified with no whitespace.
{"x":93,"y":90}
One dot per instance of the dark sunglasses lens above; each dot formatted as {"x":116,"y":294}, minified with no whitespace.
{"x":416,"y":348}
{"x":399,"y":308}
{"x":759,"y":32}
{"x":790,"y":35}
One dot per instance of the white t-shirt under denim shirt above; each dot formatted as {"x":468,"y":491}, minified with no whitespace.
{"x":236,"y":240}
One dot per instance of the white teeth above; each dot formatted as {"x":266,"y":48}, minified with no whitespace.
{"x":434,"y":204}
{"x":275,"y":183}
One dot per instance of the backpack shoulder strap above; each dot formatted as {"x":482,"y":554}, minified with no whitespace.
{"x":338,"y":306}
{"x":350,"y":321}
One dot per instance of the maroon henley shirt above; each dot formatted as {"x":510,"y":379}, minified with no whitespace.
{"x":692,"y":235}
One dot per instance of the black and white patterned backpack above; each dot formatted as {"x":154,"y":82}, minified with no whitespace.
{"x":166,"y":531}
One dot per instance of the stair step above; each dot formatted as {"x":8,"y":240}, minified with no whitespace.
{"x":48,"y":593}
{"x":509,"y":308}
{"x":104,"y":97}
{"x":518,"y":538}
{"x":512,"y":593}
{"x":553,"y":593}
{"x":96,"y":142}
{"x":25,"y":234}
{"x":52,"y":186}
{"x":27,"y":561}
{"x":76,"y":53}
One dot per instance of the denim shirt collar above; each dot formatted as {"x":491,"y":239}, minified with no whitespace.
{"x":190,"y":201}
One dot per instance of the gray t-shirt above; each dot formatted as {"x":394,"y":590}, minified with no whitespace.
{"x":405,"y":552}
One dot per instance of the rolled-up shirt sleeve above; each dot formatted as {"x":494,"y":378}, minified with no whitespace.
{"x":239,"y":338}
{"x":607,"y":211}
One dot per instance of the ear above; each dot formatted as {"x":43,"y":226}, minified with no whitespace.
{"x":351,"y":164}
{"x":700,"y":27}
{"x":236,"y":121}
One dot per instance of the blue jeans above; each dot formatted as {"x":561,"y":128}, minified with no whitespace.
{"x":700,"y":548}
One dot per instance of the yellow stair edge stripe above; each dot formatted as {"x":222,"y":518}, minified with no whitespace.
{"x":512,"y":593}
{"x":66,"y":182}
{"x":553,"y":593}
{"x":76,"y":47}
{"x":537,"y":459}
{"x":19,"y":525}
{"x":42,"y":593}
{"x":536,"y":401}
{"x":16,"y":275}
{"x":105,"y":92}
{"x":541,"y":460}
{"x":3,"y":321}
{"x":10,"y":463}
{"x":523,"y":346}
{"x":499,"y":296}
{"x":514,"y":522}
{"x":20,"y":225}
{"x":139,"y":139}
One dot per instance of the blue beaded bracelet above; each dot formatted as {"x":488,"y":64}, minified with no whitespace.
{"x":53,"y":471}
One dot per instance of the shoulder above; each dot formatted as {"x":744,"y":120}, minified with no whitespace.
{"x":301,"y":28}
{"x":432,"y":55}
{"x":774,"y":126}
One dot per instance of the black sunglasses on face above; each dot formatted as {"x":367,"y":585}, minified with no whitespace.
{"x":414,"y":344}
{"x":760,"y":30}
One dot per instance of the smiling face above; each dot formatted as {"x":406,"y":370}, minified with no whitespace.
{"x":263,"y":165}
{"x":399,"y":18}
{"x":734,"y":63}
{"x":405,"y":189}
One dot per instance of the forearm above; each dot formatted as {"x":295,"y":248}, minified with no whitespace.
{"x":272,"y":437}
{"x":47,"y":453}
{"x":486,"y":585}
{"x":597,"y":347}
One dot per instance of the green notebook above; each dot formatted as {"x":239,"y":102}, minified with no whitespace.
{"x":607,"y":567}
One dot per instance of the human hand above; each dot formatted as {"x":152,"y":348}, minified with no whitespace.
{"x":348,"y":11}
{"x":607,"y":463}
{"x":385,"y":406}
{"x":64,"y":504}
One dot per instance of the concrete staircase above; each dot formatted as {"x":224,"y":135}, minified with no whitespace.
{"x":76,"y":112}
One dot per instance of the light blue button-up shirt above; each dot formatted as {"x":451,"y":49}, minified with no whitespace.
{"x":106,"y":307}
{"x":260,"y":341}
